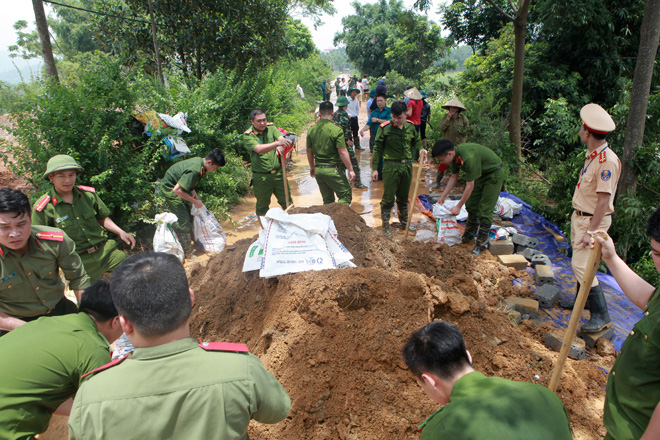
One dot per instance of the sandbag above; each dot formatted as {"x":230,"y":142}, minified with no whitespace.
{"x":448,"y":230}
{"x":165,"y":239}
{"x":207,"y":232}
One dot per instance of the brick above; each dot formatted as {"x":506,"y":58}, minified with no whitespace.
{"x":590,"y":339}
{"x":501,"y":247}
{"x":526,"y":306}
{"x":544,"y":275}
{"x":555,"y":338}
{"x":524,"y":241}
{"x":529,"y":253}
{"x":518,"y":262}
{"x":546,"y":295}
{"x":540,"y":259}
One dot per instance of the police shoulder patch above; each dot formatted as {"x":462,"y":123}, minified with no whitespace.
{"x":50,"y":236}
{"x":269,"y":123}
{"x":41,"y":203}
{"x":385,"y":123}
{"x":224,"y":346}
{"x":248,"y":131}
{"x":605,"y":175}
{"x":87,"y":188}
{"x":106,"y":366}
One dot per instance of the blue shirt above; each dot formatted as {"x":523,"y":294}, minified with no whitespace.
{"x":385,"y":114}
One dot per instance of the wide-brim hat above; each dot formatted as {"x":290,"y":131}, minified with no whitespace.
{"x":61,"y":162}
{"x":353,"y":89}
{"x":342,"y":101}
{"x":454,"y":103}
{"x":423,"y":93}
{"x":596,"y":119}
{"x":413,"y":94}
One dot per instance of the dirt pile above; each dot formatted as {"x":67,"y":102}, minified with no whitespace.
{"x":334,"y":337}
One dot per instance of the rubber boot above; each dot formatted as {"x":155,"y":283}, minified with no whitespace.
{"x":439,"y":177}
{"x":471,"y":226}
{"x":357,"y":182}
{"x":482,"y":239}
{"x":600,"y":317}
{"x":385,"y":217}
{"x":186,"y":244}
{"x":403,"y":217}
{"x":569,"y":304}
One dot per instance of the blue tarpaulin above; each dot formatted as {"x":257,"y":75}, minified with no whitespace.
{"x":624,"y":313}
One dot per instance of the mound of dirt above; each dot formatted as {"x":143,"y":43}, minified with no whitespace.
{"x":334,"y":337}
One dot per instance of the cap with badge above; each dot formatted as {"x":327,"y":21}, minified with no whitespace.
{"x":61,"y":162}
{"x":596,"y":119}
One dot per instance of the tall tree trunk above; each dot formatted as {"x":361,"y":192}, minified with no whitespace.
{"x":648,"y":47}
{"x":520,"y":30}
{"x":46,"y":48}
{"x":153,"y":35}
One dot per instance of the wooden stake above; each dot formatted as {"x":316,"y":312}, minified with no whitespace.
{"x":580,"y":301}
{"x":286,"y":181}
{"x":422,"y":159}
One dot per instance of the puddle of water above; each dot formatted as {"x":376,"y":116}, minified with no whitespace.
{"x":305,"y":192}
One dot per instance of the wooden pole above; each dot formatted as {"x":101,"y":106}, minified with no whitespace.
{"x":420,"y":167}
{"x":155,"y":40}
{"x":286,"y":180}
{"x":580,"y":301}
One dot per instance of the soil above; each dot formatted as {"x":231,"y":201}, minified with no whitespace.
{"x":333,"y":338}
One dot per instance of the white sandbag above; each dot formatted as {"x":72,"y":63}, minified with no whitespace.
{"x":443,"y":210}
{"x":425,"y":235}
{"x":448,"y":230}
{"x":207,"y":232}
{"x":165,"y":239}
{"x":253,"y":257}
{"x":507,"y":208}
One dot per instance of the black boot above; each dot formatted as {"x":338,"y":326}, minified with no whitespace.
{"x":403,"y":217}
{"x":569,"y":304}
{"x":471,"y":227}
{"x":385,"y":217}
{"x":600,"y":317}
{"x":482,"y":239}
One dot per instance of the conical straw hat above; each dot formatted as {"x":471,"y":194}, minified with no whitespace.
{"x":454,"y":103}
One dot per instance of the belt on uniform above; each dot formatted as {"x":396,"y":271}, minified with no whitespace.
{"x":94,"y":248}
{"x":268,"y":172}
{"x":399,"y":160}
{"x":326,"y":166}
{"x":588,"y":214}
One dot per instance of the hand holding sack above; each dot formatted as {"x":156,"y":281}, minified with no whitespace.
{"x":207,"y":231}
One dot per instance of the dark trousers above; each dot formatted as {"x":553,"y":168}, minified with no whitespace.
{"x":355,"y":128}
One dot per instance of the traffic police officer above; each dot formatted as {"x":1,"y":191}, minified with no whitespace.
{"x":593,"y":206}
{"x":264,"y":142}
{"x":483,"y":176}
{"x":43,"y":362}
{"x":326,"y":151}
{"x":80,"y":213}
{"x":211,"y":390}
{"x":395,"y":142}
{"x":343,"y":121}
{"x":178,"y":188}
{"x":31,"y":257}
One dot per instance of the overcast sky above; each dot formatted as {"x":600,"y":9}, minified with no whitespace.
{"x":323,"y":36}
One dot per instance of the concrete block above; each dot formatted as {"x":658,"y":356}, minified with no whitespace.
{"x":501,"y":247}
{"x":518,"y":262}
{"x":526,"y":306}
{"x":546,"y":295}
{"x":555,"y":338}
{"x":529,"y":253}
{"x":544,"y":275}
{"x":540,"y":259}
{"x":524,"y":241}
{"x":590,"y":339}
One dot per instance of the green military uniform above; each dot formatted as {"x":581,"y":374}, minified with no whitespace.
{"x":187,"y":173}
{"x":341,"y":119}
{"x":42,"y":366}
{"x":395,"y":146}
{"x":80,"y":221}
{"x":493,"y":408}
{"x":326,"y":139}
{"x":633,"y":386}
{"x":179,"y":390}
{"x":267,"y":176}
{"x":483,"y":166}
{"x":30,"y":285}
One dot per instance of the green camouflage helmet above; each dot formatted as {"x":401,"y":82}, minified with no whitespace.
{"x":342,"y":101}
{"x":61,"y":162}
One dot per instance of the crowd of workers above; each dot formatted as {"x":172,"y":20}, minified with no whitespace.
{"x":176,"y":387}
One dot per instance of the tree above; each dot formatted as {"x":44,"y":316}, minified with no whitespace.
{"x":472,"y":22}
{"x":648,"y":48}
{"x":44,"y":37}
{"x":299,"y":40}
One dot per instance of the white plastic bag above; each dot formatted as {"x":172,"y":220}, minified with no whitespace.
{"x":448,"y":231}
{"x":165,"y":239}
{"x":506,"y":208}
{"x":207,"y":231}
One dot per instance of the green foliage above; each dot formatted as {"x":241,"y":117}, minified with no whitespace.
{"x":299,"y":41}
{"x":27,"y":42}
{"x":337,"y":59}
{"x":556,"y":133}
{"x":473,"y":22}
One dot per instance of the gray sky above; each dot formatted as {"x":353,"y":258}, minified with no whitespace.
{"x":323,"y":36}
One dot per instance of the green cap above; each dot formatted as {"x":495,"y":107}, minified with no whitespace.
{"x":342,"y":101}
{"x":353,"y":89}
{"x":61,"y":162}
